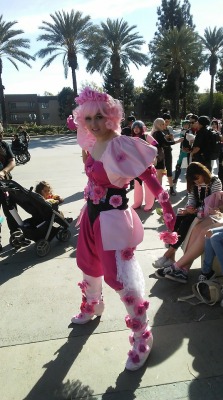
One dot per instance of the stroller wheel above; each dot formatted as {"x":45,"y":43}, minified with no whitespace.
{"x":42,"y":247}
{"x":63,"y":235}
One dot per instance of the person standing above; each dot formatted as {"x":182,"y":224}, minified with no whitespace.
{"x":200,"y":151}
{"x":109,"y":229}
{"x":7,"y":163}
{"x":168,"y":132}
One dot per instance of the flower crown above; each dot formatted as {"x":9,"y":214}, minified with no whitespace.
{"x":89,"y":94}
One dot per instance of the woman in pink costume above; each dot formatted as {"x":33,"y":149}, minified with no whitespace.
{"x":109,"y":229}
{"x":139,"y":130}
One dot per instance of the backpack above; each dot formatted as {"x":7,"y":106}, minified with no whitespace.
{"x":205,"y":292}
{"x":214,"y":144}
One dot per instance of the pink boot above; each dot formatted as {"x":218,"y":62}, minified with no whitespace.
{"x":92,"y":301}
{"x":149,"y":198}
{"x":141,"y":337}
{"x":138,"y":195}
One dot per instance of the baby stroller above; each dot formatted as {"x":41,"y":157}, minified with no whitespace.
{"x":20,"y":151}
{"x":44,"y":224}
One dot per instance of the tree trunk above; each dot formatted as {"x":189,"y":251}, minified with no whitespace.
{"x":211,"y":97}
{"x":2,"y":98}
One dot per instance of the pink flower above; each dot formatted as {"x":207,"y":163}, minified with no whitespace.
{"x":83,"y":285}
{"x":87,"y":308}
{"x":134,"y":356}
{"x":169,"y":237}
{"x":131,"y":339}
{"x":89,"y":94}
{"x":140,"y":309}
{"x":121,"y":157}
{"x":167,"y":218}
{"x":109,"y":125}
{"x":115,"y":200}
{"x":129,"y":300}
{"x":163,"y":197}
{"x":143,"y":348}
{"x":146,"y":335}
{"x":86,"y":192}
{"x":127,"y":254}
{"x":134,"y":323}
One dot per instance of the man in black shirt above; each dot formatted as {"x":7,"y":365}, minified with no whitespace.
{"x":127,"y":130}
{"x":200,"y":151}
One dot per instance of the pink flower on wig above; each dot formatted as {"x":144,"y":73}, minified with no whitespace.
{"x":115,"y":200}
{"x":167,"y":218}
{"x":133,"y":323}
{"x":121,"y":157}
{"x":127,"y":254}
{"x":89,"y":94}
{"x":169,"y":237}
{"x":163,"y":197}
{"x":109,"y":125}
{"x":129,"y":300}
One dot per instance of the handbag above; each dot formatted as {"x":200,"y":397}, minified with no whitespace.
{"x":205,"y":292}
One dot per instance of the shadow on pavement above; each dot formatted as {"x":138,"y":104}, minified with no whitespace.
{"x":50,"y":385}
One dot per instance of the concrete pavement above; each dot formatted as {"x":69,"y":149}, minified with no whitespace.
{"x":44,"y":357}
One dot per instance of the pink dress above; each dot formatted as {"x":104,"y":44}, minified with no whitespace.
{"x":109,"y":229}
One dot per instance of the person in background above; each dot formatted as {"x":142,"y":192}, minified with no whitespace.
{"x":168,"y":132}
{"x":23,"y":135}
{"x":45,"y":190}
{"x":162,"y":142}
{"x":139,"y":130}
{"x":109,"y":229}
{"x":213,"y":247}
{"x":200,"y":184}
{"x":7,"y":163}
{"x":200,"y":151}
{"x":184,"y":149}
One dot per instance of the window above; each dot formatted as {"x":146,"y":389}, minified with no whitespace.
{"x":45,"y":116}
{"x":12,"y":106}
{"x":44,"y":105}
{"x":14,"y":117}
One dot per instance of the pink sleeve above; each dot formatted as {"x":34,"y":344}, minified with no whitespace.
{"x":151,"y":140}
{"x":126,"y":158}
{"x":149,"y":177}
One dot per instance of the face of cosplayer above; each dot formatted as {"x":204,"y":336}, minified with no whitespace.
{"x":46,"y":192}
{"x":199,"y":179}
{"x":96,"y":125}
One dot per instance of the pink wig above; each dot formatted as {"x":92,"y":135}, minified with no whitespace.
{"x":90,"y":102}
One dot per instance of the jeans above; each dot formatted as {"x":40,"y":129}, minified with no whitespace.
{"x":213,"y":247}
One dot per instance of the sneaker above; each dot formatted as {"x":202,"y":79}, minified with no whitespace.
{"x":172,"y":192}
{"x":161,"y":272}
{"x":168,"y":263}
{"x":177,"y":275}
{"x":159,"y":263}
{"x":206,"y":277}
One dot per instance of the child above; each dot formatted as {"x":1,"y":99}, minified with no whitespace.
{"x":45,"y":190}
{"x":184,"y":148}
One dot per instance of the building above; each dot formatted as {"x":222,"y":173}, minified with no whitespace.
{"x":43,"y":110}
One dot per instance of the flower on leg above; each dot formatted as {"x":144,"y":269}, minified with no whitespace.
{"x":127,"y":254}
{"x":169,"y":237}
{"x":163,"y":197}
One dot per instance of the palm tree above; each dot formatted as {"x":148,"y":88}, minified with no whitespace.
{"x":67,"y":36}
{"x":11,"y":47}
{"x":115,"y":45}
{"x":176,"y":52}
{"x":213,"y":46}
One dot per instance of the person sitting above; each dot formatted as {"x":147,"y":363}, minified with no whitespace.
{"x":45,"y":190}
{"x":200,"y":184}
{"x":16,"y":145}
{"x":23,"y":135}
{"x":213,"y":246}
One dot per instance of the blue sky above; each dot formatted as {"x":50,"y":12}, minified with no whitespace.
{"x":142,"y":13}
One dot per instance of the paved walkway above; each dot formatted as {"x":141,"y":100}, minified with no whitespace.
{"x":44,"y":357}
